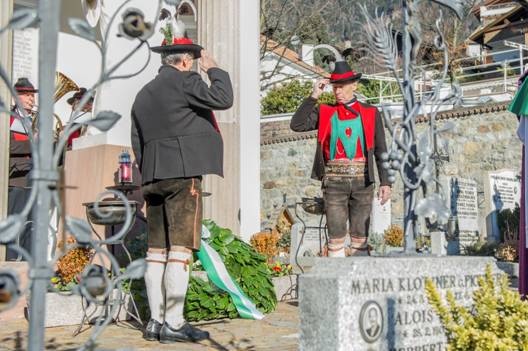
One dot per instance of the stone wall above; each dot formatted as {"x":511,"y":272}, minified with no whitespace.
{"x":484,"y":139}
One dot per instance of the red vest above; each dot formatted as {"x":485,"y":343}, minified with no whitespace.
{"x":23,"y":137}
{"x":368,"y":119}
{"x":17,"y":135}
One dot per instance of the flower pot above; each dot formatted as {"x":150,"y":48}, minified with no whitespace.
{"x":285,"y":287}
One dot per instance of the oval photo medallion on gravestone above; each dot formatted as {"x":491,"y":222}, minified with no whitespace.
{"x":371,"y":321}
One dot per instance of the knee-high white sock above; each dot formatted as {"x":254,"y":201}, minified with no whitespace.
{"x":176,"y":281}
{"x":336,"y":248}
{"x":154,"y":284}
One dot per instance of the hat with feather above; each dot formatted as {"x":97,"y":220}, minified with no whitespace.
{"x":341,"y":71}
{"x":175,"y":37}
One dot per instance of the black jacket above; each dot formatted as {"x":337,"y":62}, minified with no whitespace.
{"x":20,"y":163}
{"x":306,"y":118}
{"x":173,"y":128}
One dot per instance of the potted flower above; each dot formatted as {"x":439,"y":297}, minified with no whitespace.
{"x":63,"y":306}
{"x":284,"y":281}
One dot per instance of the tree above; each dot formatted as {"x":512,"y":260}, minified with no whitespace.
{"x":290,"y":23}
{"x":287,"y":24}
{"x":455,"y":31}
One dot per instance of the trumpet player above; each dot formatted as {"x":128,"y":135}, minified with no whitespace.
{"x":20,"y":163}
{"x":74,"y":101}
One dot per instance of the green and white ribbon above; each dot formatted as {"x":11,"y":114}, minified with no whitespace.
{"x":217,"y":273}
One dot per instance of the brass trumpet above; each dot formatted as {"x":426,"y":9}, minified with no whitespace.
{"x":63,"y":85}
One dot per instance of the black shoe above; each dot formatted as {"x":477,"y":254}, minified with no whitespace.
{"x":152,"y":331}
{"x":186,"y":333}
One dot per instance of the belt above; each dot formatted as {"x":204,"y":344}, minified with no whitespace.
{"x":346,"y":169}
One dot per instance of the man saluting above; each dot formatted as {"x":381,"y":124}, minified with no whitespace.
{"x":176,"y":140}
{"x":350,"y":138}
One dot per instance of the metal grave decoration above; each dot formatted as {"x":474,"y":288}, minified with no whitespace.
{"x":414,"y":156}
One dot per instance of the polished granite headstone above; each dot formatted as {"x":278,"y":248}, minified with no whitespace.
{"x":368,"y":303}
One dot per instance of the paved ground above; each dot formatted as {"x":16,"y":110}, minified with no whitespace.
{"x":278,"y":331}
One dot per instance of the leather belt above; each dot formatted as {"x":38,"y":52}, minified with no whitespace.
{"x":353,"y":169}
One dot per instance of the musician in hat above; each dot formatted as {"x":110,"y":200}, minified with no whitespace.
{"x":74,"y":101}
{"x":176,"y":140}
{"x":20,"y":163}
{"x":21,"y":127}
{"x":350,"y":139}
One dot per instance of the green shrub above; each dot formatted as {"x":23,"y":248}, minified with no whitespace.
{"x":371,"y":90}
{"x":204,"y":301}
{"x":247,"y":267}
{"x":497,"y":321}
{"x":508,"y":223}
{"x":288,"y":97}
{"x":480,"y":248}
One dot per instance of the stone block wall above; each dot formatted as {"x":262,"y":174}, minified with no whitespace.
{"x":484,"y":139}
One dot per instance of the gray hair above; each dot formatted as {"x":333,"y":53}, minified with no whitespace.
{"x":174,"y":59}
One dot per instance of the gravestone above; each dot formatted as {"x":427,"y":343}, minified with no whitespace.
{"x":462,"y":197}
{"x":503,"y":191}
{"x":310,"y":245}
{"x":302,"y":258}
{"x":380,"y":217}
{"x":308,"y":233}
{"x":438,"y":244}
{"x":366,"y":303}
{"x":314,"y":238}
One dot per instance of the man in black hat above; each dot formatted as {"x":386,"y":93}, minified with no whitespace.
{"x":350,"y":140}
{"x":74,"y":101}
{"x":20,"y":163}
{"x":176,"y":140}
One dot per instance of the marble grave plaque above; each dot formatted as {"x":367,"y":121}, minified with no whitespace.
{"x":462,"y":198}
{"x":25,"y":54}
{"x":380,"y":217}
{"x":367,"y":303}
{"x":503,"y":192}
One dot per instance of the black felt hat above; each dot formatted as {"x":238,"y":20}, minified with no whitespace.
{"x":343,"y":73}
{"x":23,"y":85}
{"x":78,"y":96}
{"x":179,"y":45}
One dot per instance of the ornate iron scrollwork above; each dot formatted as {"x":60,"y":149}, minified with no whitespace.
{"x":410,"y":154}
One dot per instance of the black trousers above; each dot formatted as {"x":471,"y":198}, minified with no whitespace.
{"x":16,"y":200}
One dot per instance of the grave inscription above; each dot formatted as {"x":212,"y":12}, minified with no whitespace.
{"x":464,"y":205}
{"x":367,"y":303}
{"x":503,"y":192}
